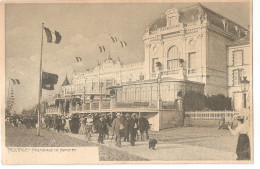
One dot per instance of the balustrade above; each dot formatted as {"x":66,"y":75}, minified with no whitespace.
{"x":211,"y":115}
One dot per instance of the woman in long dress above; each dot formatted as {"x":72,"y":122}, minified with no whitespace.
{"x":82,"y":129}
{"x":243,"y":144}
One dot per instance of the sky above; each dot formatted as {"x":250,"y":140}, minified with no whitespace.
{"x":82,"y":27}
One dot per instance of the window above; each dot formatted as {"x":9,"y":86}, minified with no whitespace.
{"x":192,"y":60}
{"x":237,"y":76}
{"x":155,"y":60}
{"x":173,"y":58}
{"x":172,"y":20}
{"x":238,"y":57}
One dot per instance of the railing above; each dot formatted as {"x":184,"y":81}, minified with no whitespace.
{"x":192,"y":71}
{"x":211,"y":115}
{"x":105,"y":105}
{"x":53,"y":110}
{"x":95,"y":106}
{"x":78,"y":107}
{"x":135,"y":105}
{"x":171,"y":72}
{"x":86,"y":106}
{"x":73,"y":108}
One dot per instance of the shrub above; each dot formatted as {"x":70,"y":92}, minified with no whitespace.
{"x":219,"y":102}
{"x":194,"y":101}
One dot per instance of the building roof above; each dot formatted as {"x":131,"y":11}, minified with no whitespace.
{"x":65,"y":82}
{"x":242,"y":41}
{"x":193,"y":14}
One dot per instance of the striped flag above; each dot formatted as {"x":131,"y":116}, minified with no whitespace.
{"x":102,"y":48}
{"x":114,"y":39}
{"x":52,"y":36}
{"x":15,"y":81}
{"x":123,"y":44}
{"x":78,"y":59}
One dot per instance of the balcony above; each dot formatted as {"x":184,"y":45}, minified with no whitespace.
{"x":116,"y":106}
{"x":192,"y":71}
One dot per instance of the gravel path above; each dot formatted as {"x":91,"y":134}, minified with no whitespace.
{"x":22,"y":137}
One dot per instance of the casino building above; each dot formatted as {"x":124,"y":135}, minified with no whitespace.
{"x":185,"y":49}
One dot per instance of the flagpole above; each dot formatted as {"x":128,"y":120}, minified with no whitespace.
{"x":40,"y":87}
{"x":8,"y":95}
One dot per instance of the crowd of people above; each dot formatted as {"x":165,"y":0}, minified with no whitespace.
{"x":16,"y":120}
{"x":128,"y":127}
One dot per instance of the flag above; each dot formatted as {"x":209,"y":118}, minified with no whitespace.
{"x":78,"y":59}
{"x":52,"y":36}
{"x":114,"y":39}
{"x":49,"y":80}
{"x":15,"y":81}
{"x":123,"y":44}
{"x":102,"y":48}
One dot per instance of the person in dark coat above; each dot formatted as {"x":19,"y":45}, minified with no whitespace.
{"x":95,"y":119}
{"x":107,"y":126}
{"x":48,"y":123}
{"x":63,"y":123}
{"x":75,"y":124}
{"x":133,"y":126}
{"x":59,"y":123}
{"x":122,"y":132}
{"x":101,"y":127}
{"x":55,"y":123}
{"x":126,"y":127}
{"x":143,"y":126}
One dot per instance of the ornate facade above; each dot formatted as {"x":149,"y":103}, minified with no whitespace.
{"x":198,"y":36}
{"x":189,"y":45}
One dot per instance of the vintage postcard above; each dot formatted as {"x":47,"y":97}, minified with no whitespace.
{"x":126,"y":82}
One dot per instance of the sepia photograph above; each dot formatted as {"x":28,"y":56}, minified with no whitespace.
{"x":121,"y":83}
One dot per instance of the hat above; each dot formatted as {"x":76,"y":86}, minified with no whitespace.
{"x":118,"y":114}
{"x":127,"y":115}
{"x":133,"y":114}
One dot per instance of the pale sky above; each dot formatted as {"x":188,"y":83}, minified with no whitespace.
{"x":81,"y":26}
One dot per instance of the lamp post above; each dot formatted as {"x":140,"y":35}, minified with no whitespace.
{"x":244,"y":89}
{"x":159,"y":79}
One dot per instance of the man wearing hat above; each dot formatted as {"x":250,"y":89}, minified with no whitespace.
{"x":126,"y":127}
{"x":143,"y":126}
{"x":101,"y":127}
{"x":133,"y":125}
{"x":116,"y":127}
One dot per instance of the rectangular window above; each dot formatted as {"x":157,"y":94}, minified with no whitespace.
{"x":192,"y":60}
{"x":238,"y":58}
{"x":155,"y":60}
{"x":237,"y":76}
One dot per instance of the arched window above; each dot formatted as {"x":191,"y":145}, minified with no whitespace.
{"x":173,"y":57}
